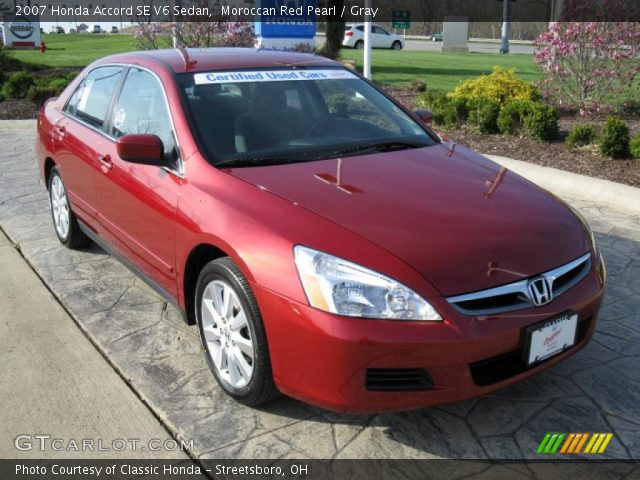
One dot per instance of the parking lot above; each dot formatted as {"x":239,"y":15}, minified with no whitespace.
{"x":597,"y":390}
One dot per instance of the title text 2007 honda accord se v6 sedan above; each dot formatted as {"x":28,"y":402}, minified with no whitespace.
{"x":325,"y":241}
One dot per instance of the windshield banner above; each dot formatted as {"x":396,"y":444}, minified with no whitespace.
{"x":272,"y":76}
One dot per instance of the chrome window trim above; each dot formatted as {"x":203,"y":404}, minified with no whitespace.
{"x":519,"y":287}
{"x":179,"y":172}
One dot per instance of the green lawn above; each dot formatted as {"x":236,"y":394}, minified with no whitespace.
{"x":441,"y":71}
{"x":76,"y":50}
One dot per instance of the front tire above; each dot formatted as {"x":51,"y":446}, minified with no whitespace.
{"x":396,"y":45}
{"x":65,"y":222}
{"x":232,"y":334}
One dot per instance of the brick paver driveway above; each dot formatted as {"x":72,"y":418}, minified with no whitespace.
{"x":597,"y":390}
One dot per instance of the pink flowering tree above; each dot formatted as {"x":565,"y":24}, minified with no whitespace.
{"x":589,"y":66}
{"x":194,"y":32}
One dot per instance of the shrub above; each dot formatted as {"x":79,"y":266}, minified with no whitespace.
{"x":581,"y":135}
{"x":541,"y":123}
{"x":431,"y":98}
{"x":302,"y":47}
{"x":18,"y":85}
{"x":418,"y":85}
{"x":635,"y":147}
{"x":38,"y":94}
{"x":6,"y":58}
{"x":512,"y":115}
{"x":1,"y":97}
{"x":501,"y":85}
{"x":448,"y":112}
{"x":615,"y":139}
{"x":445,"y":114}
{"x":483,"y":113}
{"x":57,"y":84}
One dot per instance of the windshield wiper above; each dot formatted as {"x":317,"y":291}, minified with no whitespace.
{"x":389,"y":146}
{"x":256,"y":161}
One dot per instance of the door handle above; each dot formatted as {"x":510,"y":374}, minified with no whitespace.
{"x":105,"y":163}
{"x":61,"y":131}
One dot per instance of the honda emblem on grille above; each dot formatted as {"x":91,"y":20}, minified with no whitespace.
{"x":540,"y":292}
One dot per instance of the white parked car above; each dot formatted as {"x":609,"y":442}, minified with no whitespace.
{"x":380,"y":38}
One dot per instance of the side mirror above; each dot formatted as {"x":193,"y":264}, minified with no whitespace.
{"x":425,"y":115}
{"x":143,"y":149}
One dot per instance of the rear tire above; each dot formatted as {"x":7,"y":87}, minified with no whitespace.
{"x":233,"y":335}
{"x":359,"y":45}
{"x":65,"y":222}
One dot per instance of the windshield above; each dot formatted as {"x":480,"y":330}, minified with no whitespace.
{"x":262,"y":117}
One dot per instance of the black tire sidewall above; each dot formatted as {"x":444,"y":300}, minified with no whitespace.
{"x":359,"y":45}
{"x":219,"y":271}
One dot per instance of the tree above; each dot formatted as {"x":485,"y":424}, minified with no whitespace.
{"x":589,"y":66}
{"x":335,"y":31}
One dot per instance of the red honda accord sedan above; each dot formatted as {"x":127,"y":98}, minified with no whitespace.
{"x":326,"y":242}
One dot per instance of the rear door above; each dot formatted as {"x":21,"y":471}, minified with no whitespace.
{"x":137,"y":203}
{"x":79,"y":136}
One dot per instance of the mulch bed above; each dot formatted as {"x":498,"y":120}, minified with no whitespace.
{"x":17,"y":109}
{"x":584,"y":160}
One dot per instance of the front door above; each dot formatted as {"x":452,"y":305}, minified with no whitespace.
{"x":137,"y":203}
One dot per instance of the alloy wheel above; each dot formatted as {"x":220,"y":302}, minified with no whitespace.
{"x":60,"y":207}
{"x":227,"y":334}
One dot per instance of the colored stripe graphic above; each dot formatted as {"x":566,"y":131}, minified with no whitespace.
{"x":593,"y":439}
{"x":554,"y":442}
{"x":543,"y":443}
{"x":550,"y":443}
{"x":567,"y":443}
{"x":581,"y":443}
{"x":599,"y":442}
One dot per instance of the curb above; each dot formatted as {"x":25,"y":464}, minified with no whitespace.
{"x":611,"y":194}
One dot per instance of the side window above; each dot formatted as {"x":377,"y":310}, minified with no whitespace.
{"x":141,"y":108}
{"x":293,"y":99}
{"x":380,"y":31}
{"x":70,"y":108}
{"x":92,"y":98}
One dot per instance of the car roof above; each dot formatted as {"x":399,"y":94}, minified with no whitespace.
{"x":222,"y":58}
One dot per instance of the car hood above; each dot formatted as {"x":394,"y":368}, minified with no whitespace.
{"x":460,"y":220}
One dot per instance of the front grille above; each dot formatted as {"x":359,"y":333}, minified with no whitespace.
{"x":500,"y":368}
{"x":397,"y":380}
{"x":515,"y":296}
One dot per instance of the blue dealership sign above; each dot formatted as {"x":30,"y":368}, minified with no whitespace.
{"x":297,"y":20}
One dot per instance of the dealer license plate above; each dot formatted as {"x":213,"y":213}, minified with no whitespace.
{"x":550,"y":337}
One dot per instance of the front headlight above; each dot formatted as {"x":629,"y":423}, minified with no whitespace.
{"x":345,"y":288}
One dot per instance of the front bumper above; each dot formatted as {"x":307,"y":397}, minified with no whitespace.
{"x":322,"y":359}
